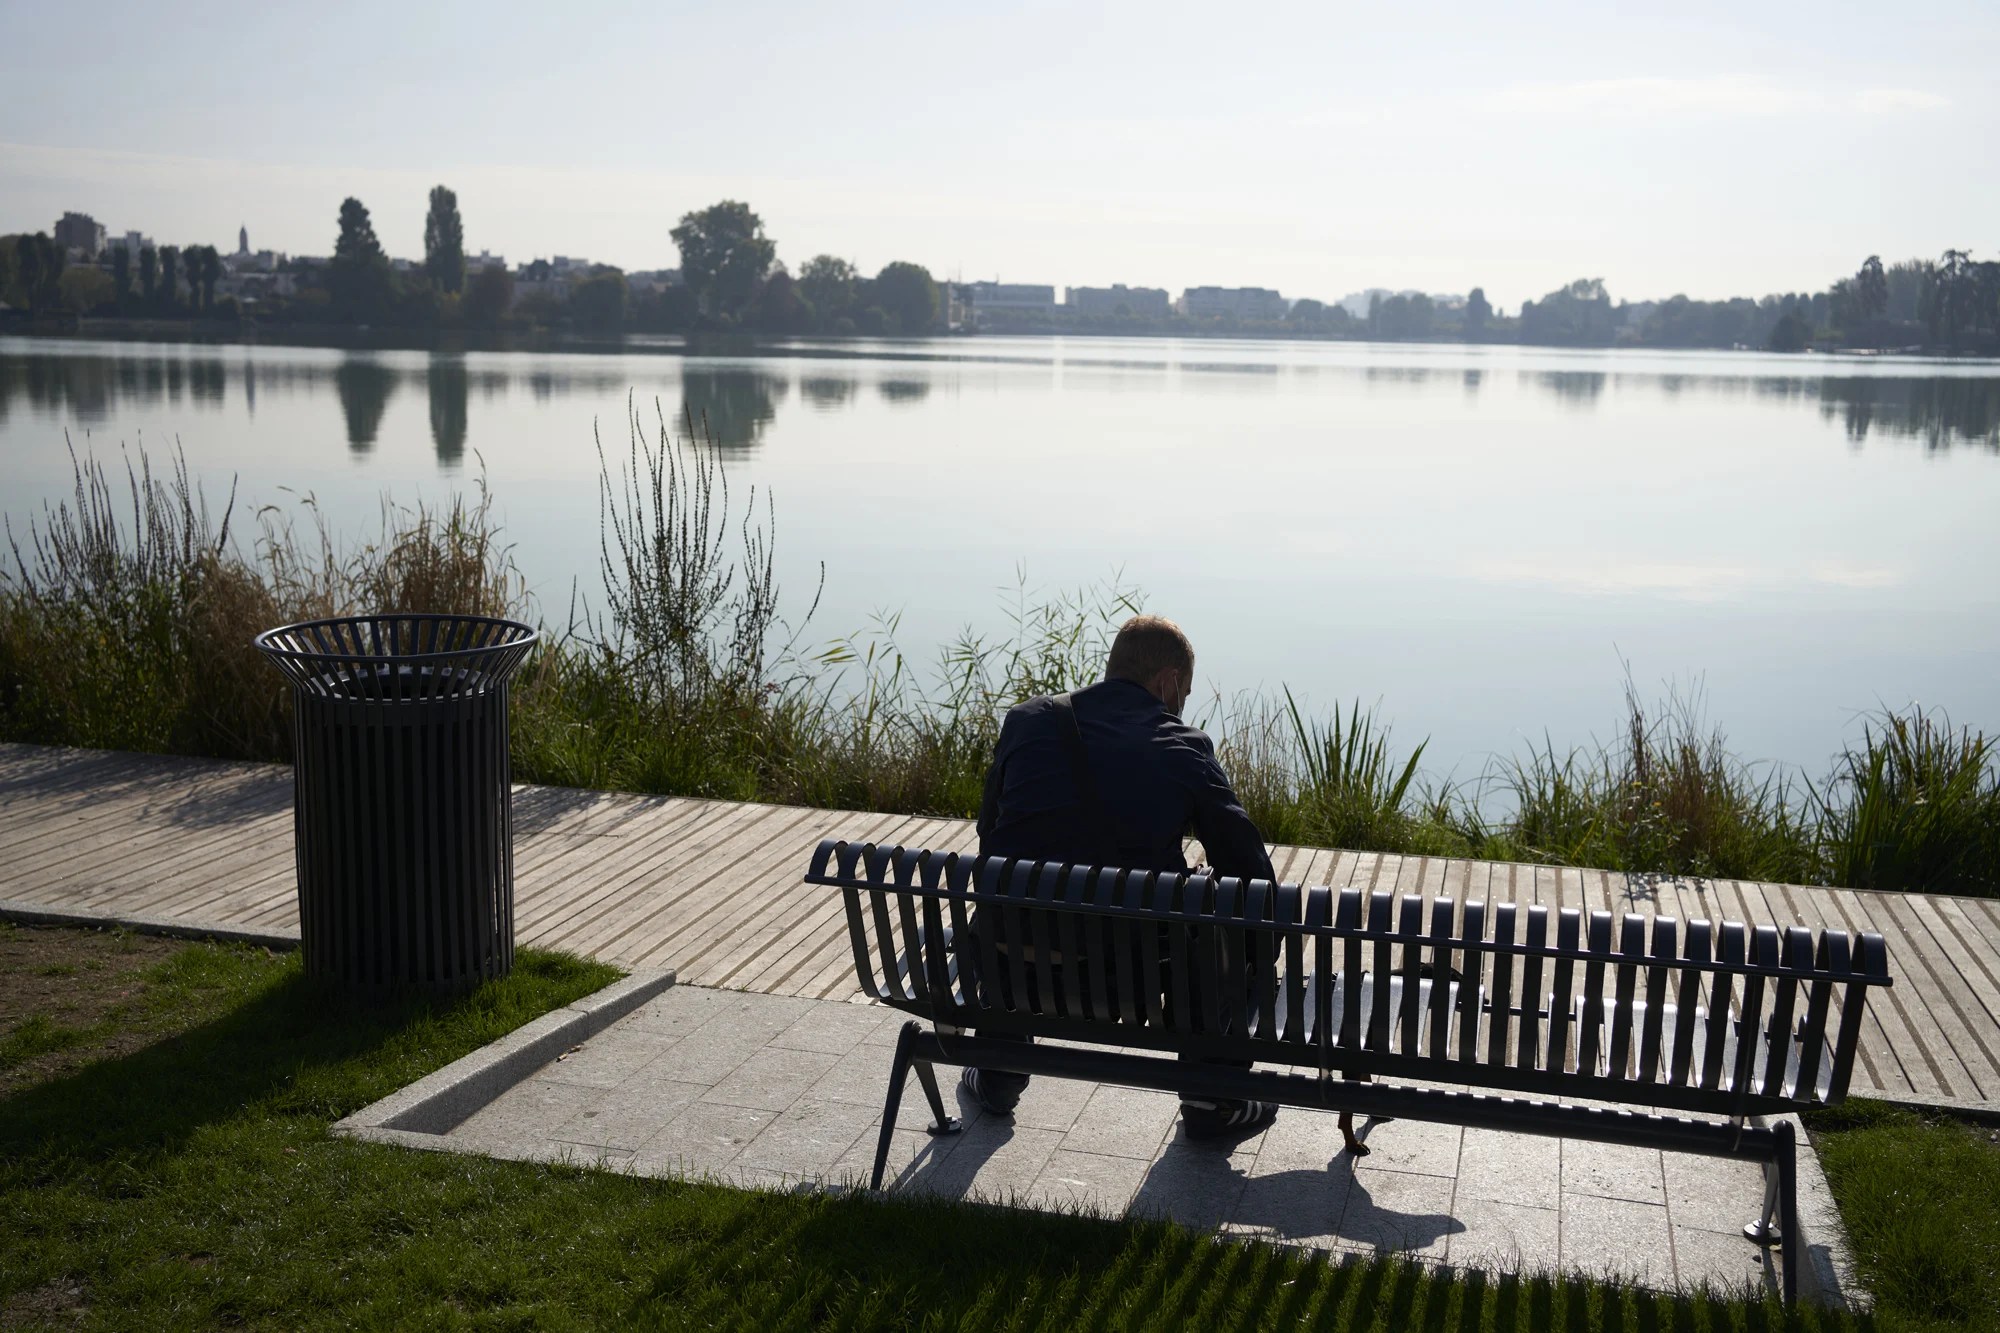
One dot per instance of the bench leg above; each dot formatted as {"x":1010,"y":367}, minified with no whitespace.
{"x":899,"y":1074}
{"x":1778,"y":1225}
{"x":1788,"y":1209}
{"x":942,"y":1123}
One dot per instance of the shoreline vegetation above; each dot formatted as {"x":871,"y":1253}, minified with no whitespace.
{"x":127,"y":613}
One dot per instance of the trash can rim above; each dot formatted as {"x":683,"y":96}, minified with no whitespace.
{"x":527,"y":635}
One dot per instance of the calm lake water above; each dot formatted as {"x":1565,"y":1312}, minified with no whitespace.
{"x":1479,"y":539}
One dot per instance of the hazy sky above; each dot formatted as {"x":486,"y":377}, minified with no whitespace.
{"x":1316,"y":148}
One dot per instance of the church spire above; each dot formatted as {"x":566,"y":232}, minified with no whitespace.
{"x":242,"y":240}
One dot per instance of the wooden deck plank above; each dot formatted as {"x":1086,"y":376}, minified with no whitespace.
{"x":606,"y":880}
{"x":1932,"y":976}
{"x":766,"y":876}
{"x":1977,"y":964}
{"x":151,"y":881}
{"x":581,"y":922}
{"x":790,"y":916}
{"x":688,"y":892}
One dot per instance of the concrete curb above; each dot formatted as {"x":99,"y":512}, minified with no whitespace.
{"x":33,"y":914}
{"x":420,"y":1114}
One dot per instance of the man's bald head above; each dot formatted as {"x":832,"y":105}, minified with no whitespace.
{"x":1153,"y":652}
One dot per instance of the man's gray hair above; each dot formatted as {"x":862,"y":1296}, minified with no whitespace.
{"x":1146,"y":646}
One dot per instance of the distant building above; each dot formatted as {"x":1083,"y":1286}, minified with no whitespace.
{"x":1027,"y":298}
{"x":539,"y":277}
{"x":242,"y":240}
{"x":1232,"y":303}
{"x":485,"y":259}
{"x":80,"y":234}
{"x":648,"y":281}
{"x":1143,"y":301}
{"x":131,"y":243}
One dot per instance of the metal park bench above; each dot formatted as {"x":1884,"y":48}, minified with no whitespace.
{"x":1705,"y":1027}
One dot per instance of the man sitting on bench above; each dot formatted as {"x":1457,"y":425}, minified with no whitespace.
{"x":1111,"y":776}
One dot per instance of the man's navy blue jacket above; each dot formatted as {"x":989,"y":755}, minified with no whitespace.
{"x":1157,"y":777}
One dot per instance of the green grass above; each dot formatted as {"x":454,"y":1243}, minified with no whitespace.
{"x":193,"y":1184}
{"x":1921,"y":1199}
{"x":125,"y":623}
{"x":41,"y":1035}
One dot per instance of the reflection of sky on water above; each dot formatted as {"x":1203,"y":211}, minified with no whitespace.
{"x":1477,"y":536}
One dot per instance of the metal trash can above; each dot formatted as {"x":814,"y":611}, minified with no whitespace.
{"x":401,"y":795}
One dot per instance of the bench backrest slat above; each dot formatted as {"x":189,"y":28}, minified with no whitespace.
{"x":1381,"y":923}
{"x":1725,"y":1018}
{"x":1687,"y":1021}
{"x":1568,"y":928}
{"x":1781,"y":1057}
{"x":1731,"y":947}
{"x":1532,"y":998}
{"x":1666,"y":942}
{"x":1473,"y":928}
{"x":1442,"y":969}
{"x":1625,"y":989}
{"x":1320,"y":902}
{"x":1753,"y":1029}
{"x":1410,"y":926}
{"x":1590,"y":1032}
{"x":1351,"y":971}
{"x":1501,"y":990}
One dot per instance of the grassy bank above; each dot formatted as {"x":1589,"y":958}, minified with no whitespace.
{"x":126,"y":617}
{"x":1917,"y":1195}
{"x":190,"y":1182}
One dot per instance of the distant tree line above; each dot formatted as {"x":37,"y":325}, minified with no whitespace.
{"x":37,"y":277}
{"x":731,"y":279}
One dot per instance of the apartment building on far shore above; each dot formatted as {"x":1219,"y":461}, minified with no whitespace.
{"x":1140,"y":301}
{"x":1027,"y":298}
{"x":1232,"y":303}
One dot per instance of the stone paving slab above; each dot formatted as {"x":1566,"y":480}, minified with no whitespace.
{"x":772,"y":1091}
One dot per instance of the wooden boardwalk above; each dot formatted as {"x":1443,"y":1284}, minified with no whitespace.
{"x":712,"y":889}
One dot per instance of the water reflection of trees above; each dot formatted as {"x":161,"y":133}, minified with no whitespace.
{"x":740,"y":401}
{"x":1577,"y":388}
{"x":449,"y":388}
{"x":1937,"y":412}
{"x":736,"y":405}
{"x":364,"y":386}
{"x":828,"y":392}
{"x":902,"y":393}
